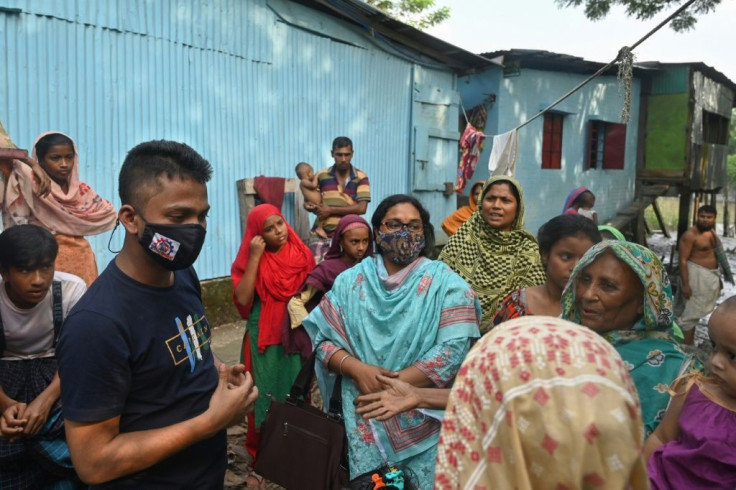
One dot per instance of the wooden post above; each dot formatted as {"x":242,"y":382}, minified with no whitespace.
{"x":647,"y":228}
{"x":725,"y":211}
{"x":246,"y":202}
{"x":640,"y":232}
{"x":301,"y":215}
{"x":683,"y":219}
{"x":658,"y":214}
{"x":696,"y":205}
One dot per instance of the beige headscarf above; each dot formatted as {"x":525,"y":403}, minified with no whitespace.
{"x":78,"y":212}
{"x":542,"y":403}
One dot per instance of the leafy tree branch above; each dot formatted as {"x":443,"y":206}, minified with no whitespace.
{"x":645,"y":9}
{"x":421,"y":14}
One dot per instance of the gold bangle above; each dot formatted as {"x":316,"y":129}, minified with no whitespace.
{"x":339,"y":365}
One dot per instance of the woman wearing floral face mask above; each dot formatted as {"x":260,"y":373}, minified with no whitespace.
{"x":401,"y":313}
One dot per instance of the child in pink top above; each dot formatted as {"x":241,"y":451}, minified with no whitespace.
{"x":695,"y":444}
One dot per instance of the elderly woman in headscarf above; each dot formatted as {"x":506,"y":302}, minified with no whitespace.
{"x":542,"y":403}
{"x":621,"y":290}
{"x":453,"y":222}
{"x":492,"y":251}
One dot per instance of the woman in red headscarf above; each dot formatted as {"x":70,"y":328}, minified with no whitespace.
{"x":270,"y":268}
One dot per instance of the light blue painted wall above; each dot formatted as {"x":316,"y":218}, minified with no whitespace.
{"x":521,"y":97}
{"x":255,"y":86}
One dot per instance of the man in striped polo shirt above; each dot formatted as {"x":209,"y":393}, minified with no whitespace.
{"x":345,"y":190}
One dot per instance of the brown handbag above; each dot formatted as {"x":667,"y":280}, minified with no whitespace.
{"x":300,"y":446}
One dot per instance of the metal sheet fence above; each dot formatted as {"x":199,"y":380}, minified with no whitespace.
{"x":251,"y":93}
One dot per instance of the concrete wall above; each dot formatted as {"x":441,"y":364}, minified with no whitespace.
{"x":519,"y":98}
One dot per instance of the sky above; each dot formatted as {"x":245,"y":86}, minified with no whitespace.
{"x":490,"y":25}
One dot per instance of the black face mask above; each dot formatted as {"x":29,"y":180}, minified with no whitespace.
{"x":173,"y":247}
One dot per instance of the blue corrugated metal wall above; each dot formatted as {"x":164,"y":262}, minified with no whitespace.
{"x":435,"y":115}
{"x":237,"y":80}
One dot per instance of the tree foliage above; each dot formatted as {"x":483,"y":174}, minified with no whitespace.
{"x":421,"y":14}
{"x":646,"y":9}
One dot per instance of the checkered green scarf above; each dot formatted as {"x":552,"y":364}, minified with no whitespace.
{"x":495,"y":262}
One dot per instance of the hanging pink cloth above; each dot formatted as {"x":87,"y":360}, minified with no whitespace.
{"x":471,"y":144}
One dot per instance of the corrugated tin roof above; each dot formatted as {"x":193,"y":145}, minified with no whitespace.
{"x":396,"y":32}
{"x":540,"y":59}
{"x":254,"y":95}
{"x":546,"y":60}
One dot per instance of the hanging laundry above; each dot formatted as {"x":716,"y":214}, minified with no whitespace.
{"x":471,"y":144}
{"x":503,"y":153}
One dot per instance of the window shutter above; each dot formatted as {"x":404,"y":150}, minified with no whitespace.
{"x":590,"y":162}
{"x":552,"y":141}
{"x":614,"y":150}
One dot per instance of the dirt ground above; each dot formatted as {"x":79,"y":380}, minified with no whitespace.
{"x":238,"y":460}
{"x":226,"y":344}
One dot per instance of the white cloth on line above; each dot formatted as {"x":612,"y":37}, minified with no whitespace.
{"x":503,"y":153}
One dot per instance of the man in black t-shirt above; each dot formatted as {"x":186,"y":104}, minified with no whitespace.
{"x":145,"y":400}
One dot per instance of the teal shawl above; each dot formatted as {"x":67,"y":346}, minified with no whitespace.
{"x":648,"y":349}
{"x":393,"y":322}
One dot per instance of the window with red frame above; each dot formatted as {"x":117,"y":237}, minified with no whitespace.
{"x":606,"y":145}
{"x":552,"y":141}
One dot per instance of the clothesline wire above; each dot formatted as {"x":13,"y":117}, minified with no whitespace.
{"x":602,"y":69}
{"x":465,"y":115}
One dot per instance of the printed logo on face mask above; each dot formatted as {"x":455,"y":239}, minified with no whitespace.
{"x":164,"y":246}
{"x":173,"y":247}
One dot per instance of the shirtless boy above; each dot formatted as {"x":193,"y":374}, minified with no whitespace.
{"x":699,"y":275}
